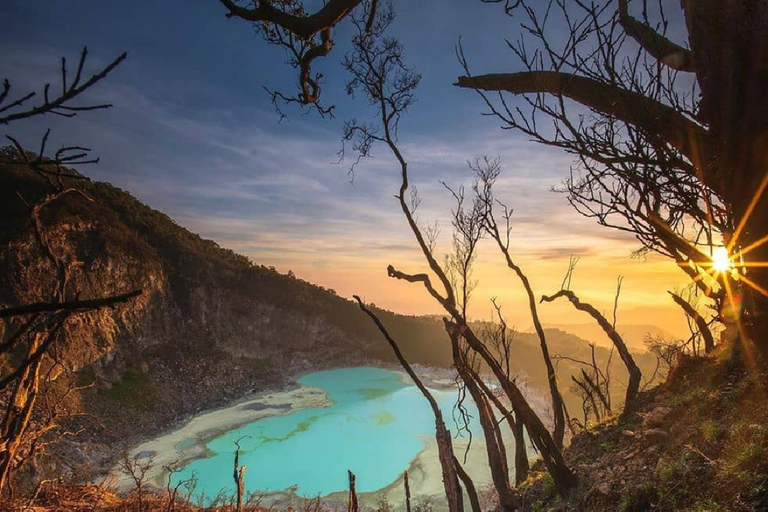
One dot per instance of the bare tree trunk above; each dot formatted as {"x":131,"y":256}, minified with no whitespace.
{"x":730,"y":42}
{"x":596,"y":391}
{"x":518,"y":431}
{"x":469,"y":486}
{"x":494,"y":444}
{"x":407,"y":492}
{"x":550,"y":452}
{"x":521,"y":452}
{"x":238,"y":475}
{"x":18,"y":413}
{"x":558,"y":407}
{"x":354,"y":505}
{"x":706,"y":334}
{"x":447,"y":458}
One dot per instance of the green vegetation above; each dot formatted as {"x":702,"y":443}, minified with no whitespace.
{"x":134,"y":391}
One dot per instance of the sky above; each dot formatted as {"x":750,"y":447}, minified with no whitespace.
{"x":192,"y":133}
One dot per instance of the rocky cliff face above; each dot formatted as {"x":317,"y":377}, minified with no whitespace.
{"x":208,"y":327}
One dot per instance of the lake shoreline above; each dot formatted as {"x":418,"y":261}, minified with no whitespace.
{"x":185,"y":442}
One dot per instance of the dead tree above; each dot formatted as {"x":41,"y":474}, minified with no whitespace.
{"x":494,"y":441}
{"x":136,"y":469}
{"x":39,"y":324}
{"x":487,"y":171}
{"x":698,"y":319}
{"x":353,"y":505}
{"x":592,"y":385}
{"x":670,"y":150}
{"x":407,"y":487}
{"x":304,"y":36}
{"x":238,"y":475}
{"x":681,"y":167}
{"x":499,"y":338}
{"x":377,"y":69}
{"x":634,"y":372}
{"x":442,"y":435}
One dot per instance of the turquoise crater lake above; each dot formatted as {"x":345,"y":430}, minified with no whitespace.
{"x":376,"y":426}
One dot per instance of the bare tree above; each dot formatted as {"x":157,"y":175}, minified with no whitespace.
{"x":448,"y":462}
{"x":487,"y":171}
{"x":36,"y":327}
{"x":499,"y":337}
{"x":378,"y":71}
{"x":592,"y":385}
{"x":689,"y":306}
{"x":238,"y":475}
{"x":667,"y":139}
{"x":618,"y":342}
{"x":136,"y":468}
{"x":675,"y":161}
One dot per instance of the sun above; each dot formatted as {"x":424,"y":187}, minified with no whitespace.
{"x":721,"y":262}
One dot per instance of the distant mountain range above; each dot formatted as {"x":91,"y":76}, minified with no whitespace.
{"x":633,"y":334}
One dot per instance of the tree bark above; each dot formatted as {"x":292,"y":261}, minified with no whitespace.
{"x":494,"y":443}
{"x":407,"y":492}
{"x":18,"y":413}
{"x":469,"y":486}
{"x":550,"y":452}
{"x":354,"y":505}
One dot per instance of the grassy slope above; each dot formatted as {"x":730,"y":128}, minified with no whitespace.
{"x":714,"y":455}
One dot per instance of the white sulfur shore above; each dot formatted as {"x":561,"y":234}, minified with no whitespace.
{"x":188,"y":442}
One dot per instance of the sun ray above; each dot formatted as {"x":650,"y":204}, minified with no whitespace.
{"x":755,"y":264}
{"x":754,"y":245}
{"x":748,"y":212}
{"x":753,"y":285}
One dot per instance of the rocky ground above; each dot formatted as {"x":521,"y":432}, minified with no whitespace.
{"x":697,"y":443}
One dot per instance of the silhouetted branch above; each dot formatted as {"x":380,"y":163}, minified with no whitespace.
{"x":661,"y":48}
{"x":59,"y":105}
{"x":634,"y":372}
{"x":628,"y":106}
{"x":71,"y":306}
{"x":442,"y":436}
{"x":701,"y":323}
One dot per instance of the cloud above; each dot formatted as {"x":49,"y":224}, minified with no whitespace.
{"x":274,"y":192}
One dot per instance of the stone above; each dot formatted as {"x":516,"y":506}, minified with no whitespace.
{"x":656,"y":436}
{"x":604,"y":488}
{"x":656,"y":417}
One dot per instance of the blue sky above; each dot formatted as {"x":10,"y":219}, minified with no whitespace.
{"x":193,"y":134}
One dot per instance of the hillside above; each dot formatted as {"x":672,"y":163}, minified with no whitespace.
{"x":210,"y":325}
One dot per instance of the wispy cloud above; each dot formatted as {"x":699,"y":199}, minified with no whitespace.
{"x":275,"y":193}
